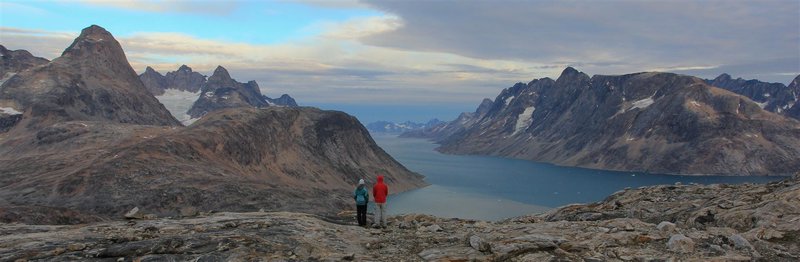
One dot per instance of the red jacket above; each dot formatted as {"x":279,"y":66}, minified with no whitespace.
{"x":380,"y":190}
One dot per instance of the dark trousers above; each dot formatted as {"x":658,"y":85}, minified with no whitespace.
{"x":361,"y":214}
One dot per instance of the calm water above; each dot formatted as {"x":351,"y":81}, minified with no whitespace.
{"x":492,"y":188}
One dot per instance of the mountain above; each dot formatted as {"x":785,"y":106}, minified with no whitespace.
{"x":15,"y":61}
{"x":443,"y":130}
{"x":93,"y":142}
{"x":773,"y":97}
{"x":222,"y":91}
{"x":407,"y":126}
{"x":183,"y":79}
{"x":284,"y":100}
{"x":153,"y":81}
{"x":90,"y":81}
{"x":652,"y":122}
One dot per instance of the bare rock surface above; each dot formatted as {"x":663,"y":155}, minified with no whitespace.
{"x":555,"y":236}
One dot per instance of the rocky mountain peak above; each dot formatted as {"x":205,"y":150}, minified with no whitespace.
{"x":570,"y":74}
{"x":185,"y":68}
{"x":220,"y":74}
{"x":569,"y":71}
{"x":15,"y":61}
{"x":93,"y":40}
{"x":150,"y":70}
{"x":723,"y":77}
{"x":91,"y":81}
{"x":484,"y":107}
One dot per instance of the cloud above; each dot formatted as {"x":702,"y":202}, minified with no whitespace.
{"x":329,"y":67}
{"x":604,"y":36}
{"x":206,"y":7}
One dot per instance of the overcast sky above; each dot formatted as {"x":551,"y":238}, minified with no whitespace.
{"x":414,"y":60}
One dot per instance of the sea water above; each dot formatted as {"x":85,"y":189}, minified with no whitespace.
{"x":493,"y":188}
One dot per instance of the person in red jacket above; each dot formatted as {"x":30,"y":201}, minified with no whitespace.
{"x":379,"y":193}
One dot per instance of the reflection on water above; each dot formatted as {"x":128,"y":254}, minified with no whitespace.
{"x":491,"y":188}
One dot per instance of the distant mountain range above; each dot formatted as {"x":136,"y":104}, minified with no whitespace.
{"x":206,"y":94}
{"x":82,"y":136}
{"x":396,"y":128}
{"x":774,"y":97}
{"x":652,"y":122}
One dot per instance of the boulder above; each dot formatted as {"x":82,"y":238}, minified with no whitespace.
{"x":134,"y":214}
{"x":666,"y":227}
{"x":680,"y":243}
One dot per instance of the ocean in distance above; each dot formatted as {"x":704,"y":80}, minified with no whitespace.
{"x":494,"y":188}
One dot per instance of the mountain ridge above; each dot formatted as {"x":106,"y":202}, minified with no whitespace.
{"x":651,"y":122}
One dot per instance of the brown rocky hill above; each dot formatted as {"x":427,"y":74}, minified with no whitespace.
{"x":15,"y":61}
{"x":661,"y":223}
{"x":278,"y":158}
{"x":652,"y":122}
{"x":90,"y":81}
{"x":86,"y":146}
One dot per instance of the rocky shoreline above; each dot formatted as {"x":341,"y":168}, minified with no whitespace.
{"x":748,"y":222}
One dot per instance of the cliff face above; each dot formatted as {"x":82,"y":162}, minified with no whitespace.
{"x":89,"y":141}
{"x":681,"y":222}
{"x":653,"y":122}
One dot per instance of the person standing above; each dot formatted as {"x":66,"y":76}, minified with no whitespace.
{"x":362,"y":199}
{"x":379,"y":192}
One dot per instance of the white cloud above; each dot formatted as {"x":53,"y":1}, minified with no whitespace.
{"x":161,"y":6}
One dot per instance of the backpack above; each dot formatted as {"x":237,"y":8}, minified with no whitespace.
{"x":360,"y":198}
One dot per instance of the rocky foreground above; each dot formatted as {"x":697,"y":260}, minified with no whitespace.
{"x":676,"y":222}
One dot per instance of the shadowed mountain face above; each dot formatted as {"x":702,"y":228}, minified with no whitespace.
{"x":794,"y":111}
{"x":654,"y":122}
{"x":91,"y":81}
{"x":15,"y":61}
{"x":773,"y":97}
{"x":153,"y":81}
{"x":222,"y":91}
{"x":184,"y":79}
{"x":283,"y":100}
{"x":93,"y":140}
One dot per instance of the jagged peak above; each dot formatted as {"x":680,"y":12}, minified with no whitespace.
{"x":570,"y":70}
{"x":725,"y":76}
{"x":220,"y":73}
{"x":89,"y":38}
{"x":150,"y":70}
{"x":185,"y":68}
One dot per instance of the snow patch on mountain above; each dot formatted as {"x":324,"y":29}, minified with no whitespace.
{"x":9,"y":111}
{"x":642,"y":104}
{"x":508,"y":100}
{"x":524,"y":120}
{"x":178,"y":102}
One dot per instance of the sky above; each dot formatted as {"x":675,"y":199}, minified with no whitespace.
{"x":417,"y":60}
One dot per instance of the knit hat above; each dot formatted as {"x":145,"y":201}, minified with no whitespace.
{"x":361,"y":181}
